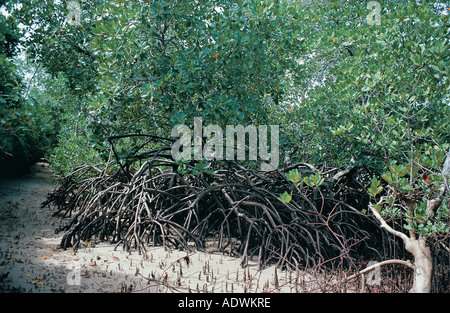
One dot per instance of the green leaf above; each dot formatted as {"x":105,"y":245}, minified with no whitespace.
{"x":407,"y":227}
{"x":285,"y":197}
{"x":294,"y":176}
{"x":375,"y":188}
{"x":314,"y":180}
{"x":387,"y":177}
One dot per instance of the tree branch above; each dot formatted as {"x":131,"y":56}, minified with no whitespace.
{"x":344,"y":172}
{"x":384,"y":225}
{"x":374,"y":266}
{"x":433,"y":204}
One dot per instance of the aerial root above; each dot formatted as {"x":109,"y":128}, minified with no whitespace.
{"x":233,"y":210}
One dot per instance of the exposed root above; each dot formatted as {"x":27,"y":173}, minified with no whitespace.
{"x":234,"y":210}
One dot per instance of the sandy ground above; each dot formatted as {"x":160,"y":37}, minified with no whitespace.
{"x":30,"y":260}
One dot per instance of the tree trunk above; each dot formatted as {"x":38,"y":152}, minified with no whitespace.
{"x":423,"y":266}
{"x":418,"y":247}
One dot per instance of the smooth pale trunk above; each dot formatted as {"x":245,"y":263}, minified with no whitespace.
{"x":423,"y":265}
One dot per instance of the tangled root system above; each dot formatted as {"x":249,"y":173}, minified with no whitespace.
{"x":231,"y":209}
